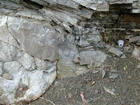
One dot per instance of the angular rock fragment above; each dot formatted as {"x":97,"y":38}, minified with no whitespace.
{"x":115,"y":51}
{"x":35,"y":38}
{"x":99,"y":5}
{"x":5,"y":34}
{"x":103,"y":73}
{"x":30,"y":14}
{"x":134,"y":39}
{"x":26,"y":60}
{"x":68,"y":3}
{"x":136,"y":53}
{"x":110,"y":91}
{"x":7,"y":52}
{"x":46,"y":66}
{"x":120,"y":1}
{"x":32,"y":83}
{"x":113,"y":76}
{"x":67,"y":50}
{"x":7,"y":76}
{"x":61,"y":18}
{"x":90,"y":57}
{"x":1,"y":68}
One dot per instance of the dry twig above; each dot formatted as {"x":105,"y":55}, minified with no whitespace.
{"x":85,"y":102}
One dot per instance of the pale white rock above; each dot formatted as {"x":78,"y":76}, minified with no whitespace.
{"x":134,"y":4}
{"x":59,"y":29}
{"x":7,"y":52}
{"x":26,"y":85}
{"x":120,"y":1}
{"x":51,"y":67}
{"x":36,"y":38}
{"x":138,"y":1}
{"x":136,"y":53}
{"x":60,"y":33}
{"x":123,"y":56}
{"x":90,"y":58}
{"x":94,"y":4}
{"x":41,"y":64}
{"x":86,"y":57}
{"x":26,"y":60}
{"x":67,"y":50}
{"x":1,"y":91}
{"x":113,"y":76}
{"x":69,"y":69}
{"x":89,"y":37}
{"x":1,"y":67}
{"x":46,"y":66}
{"x":103,"y":7}
{"x":135,"y":30}
{"x":100,"y":58}
{"x":5,"y":34}
{"x":83,"y":41}
{"x":84,"y":12}
{"x":12,"y":67}
{"x":135,"y":10}
{"x":71,"y":38}
{"x":61,"y":18}
{"x":94,"y":38}
{"x":115,"y":51}
{"x":29,"y":14}
{"x":101,"y":44}
{"x":134,"y":39}
{"x":76,"y":58}
{"x":23,"y":77}
{"x":81,"y":69}
{"x":68,"y":3}
{"x":9,"y":4}
{"x":38,"y":81}
{"x":66,"y":26}
{"x":5,"y":11}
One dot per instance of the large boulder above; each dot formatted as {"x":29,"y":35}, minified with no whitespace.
{"x":36,"y":38}
{"x":24,"y":85}
{"x":28,"y":54}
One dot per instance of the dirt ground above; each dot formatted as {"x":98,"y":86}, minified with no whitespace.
{"x":95,"y":88}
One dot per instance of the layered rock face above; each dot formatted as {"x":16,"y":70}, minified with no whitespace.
{"x":39,"y":38}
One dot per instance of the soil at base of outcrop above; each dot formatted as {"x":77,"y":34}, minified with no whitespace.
{"x":95,"y":89}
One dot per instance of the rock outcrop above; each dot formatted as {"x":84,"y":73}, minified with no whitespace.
{"x":39,"y":37}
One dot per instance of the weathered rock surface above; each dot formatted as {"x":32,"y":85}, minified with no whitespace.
{"x":38,"y":36}
{"x":99,"y":5}
{"x":25,"y":73}
{"x":115,"y":51}
{"x":90,"y":58}
{"x":136,"y":53}
{"x":32,"y":84}
{"x":1,"y":65}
